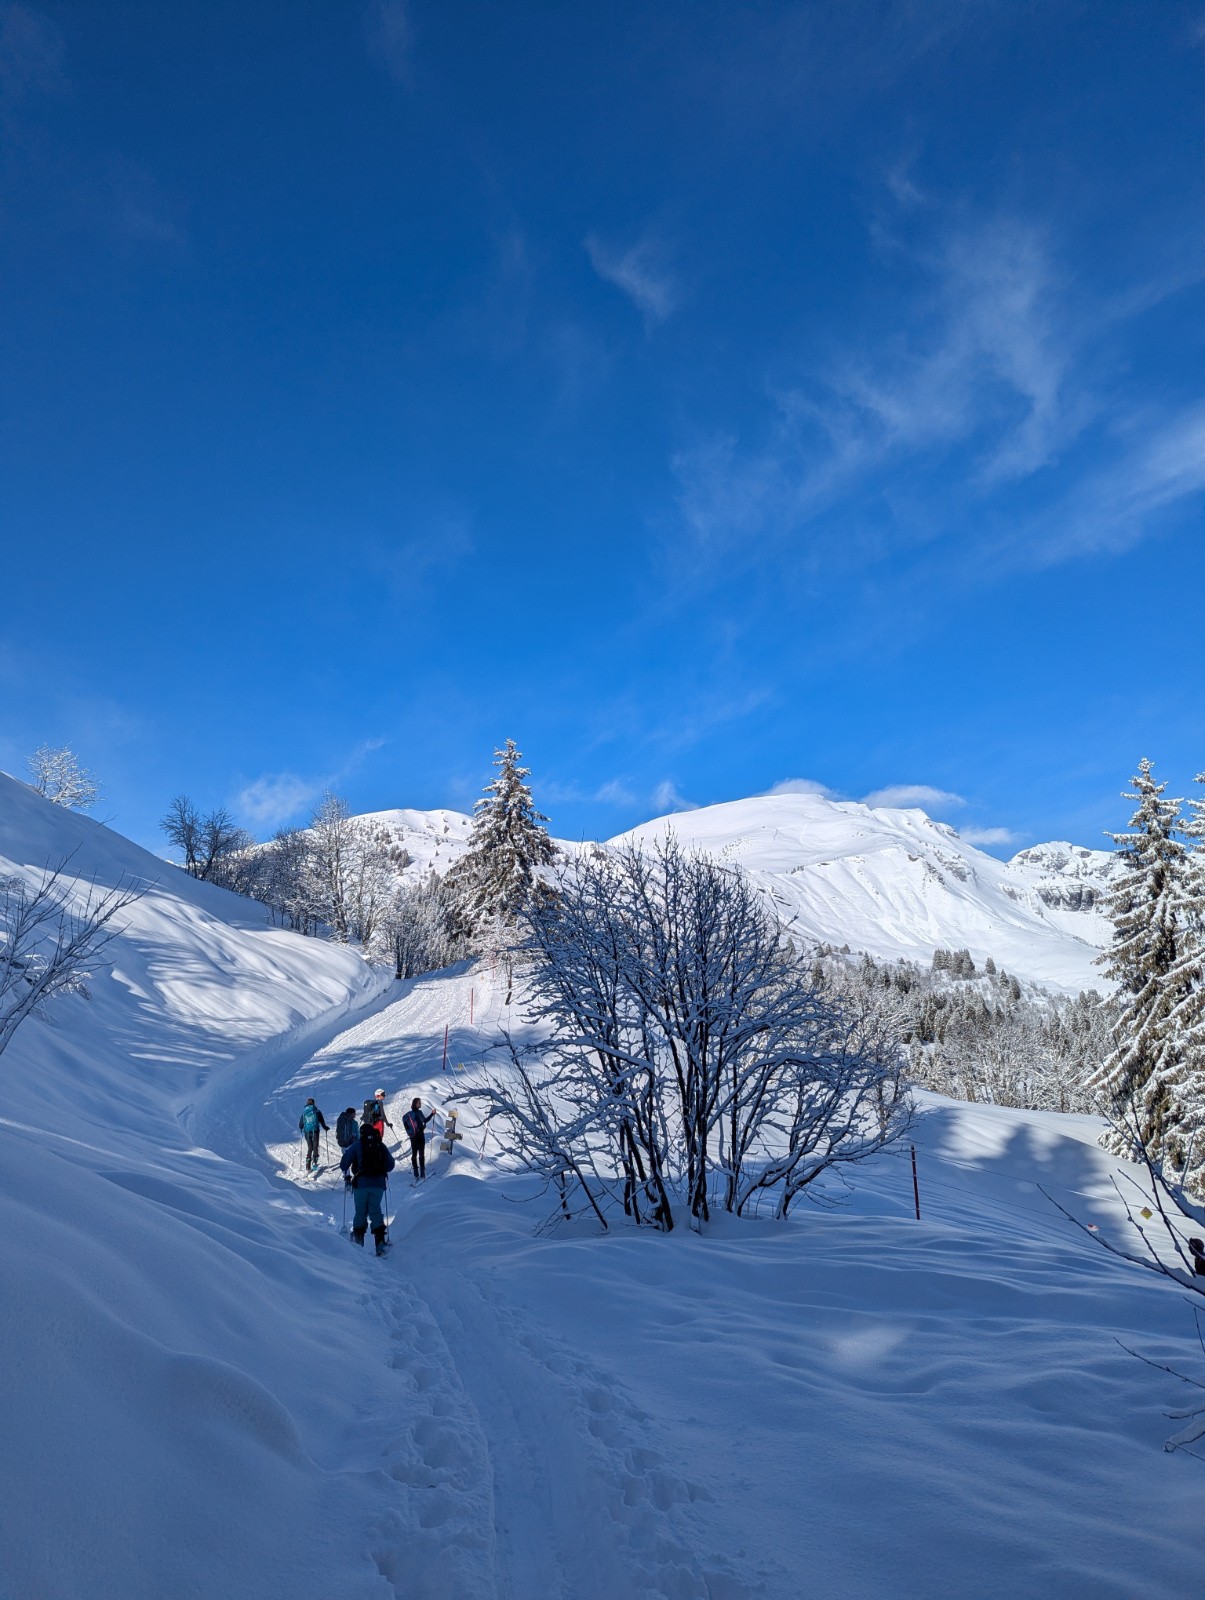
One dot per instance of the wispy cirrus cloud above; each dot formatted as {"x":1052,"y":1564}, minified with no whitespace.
{"x":640,"y":272}
{"x":31,"y":54}
{"x":666,"y":798}
{"x":988,"y":411}
{"x":391,"y":39}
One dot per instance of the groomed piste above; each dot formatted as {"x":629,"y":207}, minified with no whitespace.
{"x":209,"y":1393}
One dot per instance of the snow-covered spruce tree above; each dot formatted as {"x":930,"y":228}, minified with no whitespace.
{"x":1136,"y":1083}
{"x":507,"y":848}
{"x":1186,"y":982}
{"x":58,"y":775}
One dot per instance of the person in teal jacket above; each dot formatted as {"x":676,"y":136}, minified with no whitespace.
{"x":312,"y":1123}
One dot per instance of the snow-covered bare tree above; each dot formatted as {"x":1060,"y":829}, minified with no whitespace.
{"x":53,"y":937}
{"x":1135,"y":1084}
{"x":507,"y":849}
{"x":418,"y":932}
{"x":687,"y":1059}
{"x":58,"y":775}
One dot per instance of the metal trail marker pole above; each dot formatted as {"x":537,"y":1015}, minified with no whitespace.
{"x":471,"y":993}
{"x":915,"y":1185}
{"x":445,"y":1065}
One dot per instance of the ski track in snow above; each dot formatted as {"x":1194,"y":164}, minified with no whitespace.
{"x":497,"y":1409}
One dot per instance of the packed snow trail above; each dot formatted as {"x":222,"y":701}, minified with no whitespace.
{"x":849,"y":1405}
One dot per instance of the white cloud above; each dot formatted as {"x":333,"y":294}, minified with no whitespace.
{"x":276,"y":798}
{"x":639,"y":272}
{"x":989,"y":836}
{"x":666,"y":798}
{"x":615,"y":793}
{"x":900,"y":795}
{"x":803,"y":786}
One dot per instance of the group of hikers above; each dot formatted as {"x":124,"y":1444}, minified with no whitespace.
{"x":367,"y":1160}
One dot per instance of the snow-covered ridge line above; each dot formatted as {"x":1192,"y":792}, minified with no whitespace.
{"x":888,"y":881}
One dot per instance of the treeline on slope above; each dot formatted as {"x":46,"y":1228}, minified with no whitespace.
{"x":977,"y":1034}
{"x":342,"y":877}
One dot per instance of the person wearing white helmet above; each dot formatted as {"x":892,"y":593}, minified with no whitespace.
{"x":374,"y":1113}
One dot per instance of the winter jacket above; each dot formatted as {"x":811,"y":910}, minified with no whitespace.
{"x":379,"y":1157}
{"x":311,"y":1119}
{"x":415,"y":1124}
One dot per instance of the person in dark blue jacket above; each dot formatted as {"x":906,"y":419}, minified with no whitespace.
{"x":366,"y":1167}
{"x":415,"y":1124}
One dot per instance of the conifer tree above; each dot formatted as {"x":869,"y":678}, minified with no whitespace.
{"x":1136,"y":1081}
{"x":507,"y":847}
{"x":1187,"y":1021}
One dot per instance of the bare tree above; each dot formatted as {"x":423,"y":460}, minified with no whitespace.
{"x":182,"y":825}
{"x":687,"y":1057}
{"x":58,"y":775}
{"x":52,"y":941}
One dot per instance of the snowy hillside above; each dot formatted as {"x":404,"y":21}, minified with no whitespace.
{"x":898,"y":884}
{"x":210,"y":1393}
{"x":892,"y":882}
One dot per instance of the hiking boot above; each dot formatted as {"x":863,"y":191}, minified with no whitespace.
{"x":357,"y":1238}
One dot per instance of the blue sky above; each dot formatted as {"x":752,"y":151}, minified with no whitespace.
{"x":707,"y":396}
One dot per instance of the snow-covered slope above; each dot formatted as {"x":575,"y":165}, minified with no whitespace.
{"x":168,"y":1377}
{"x":210,"y":1393}
{"x":898,"y":884}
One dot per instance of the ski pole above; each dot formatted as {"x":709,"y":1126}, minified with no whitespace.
{"x":343,"y":1227}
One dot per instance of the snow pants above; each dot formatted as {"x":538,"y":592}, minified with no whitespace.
{"x":311,"y":1149}
{"x":418,"y":1156}
{"x":368,"y":1210}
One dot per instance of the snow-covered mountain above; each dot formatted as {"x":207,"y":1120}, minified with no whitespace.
{"x":891,"y":882}
{"x":210,"y":1392}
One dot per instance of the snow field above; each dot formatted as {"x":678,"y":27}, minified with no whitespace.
{"x":211,"y":1393}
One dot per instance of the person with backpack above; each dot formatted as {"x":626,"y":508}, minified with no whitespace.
{"x":346,"y":1128}
{"x":374,"y":1113}
{"x":415,"y":1124}
{"x":311,"y":1122}
{"x":366,"y":1167}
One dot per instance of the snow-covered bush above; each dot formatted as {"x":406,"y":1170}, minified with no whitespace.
{"x":58,"y":775}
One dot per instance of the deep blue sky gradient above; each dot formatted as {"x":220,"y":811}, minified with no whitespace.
{"x":704,"y":395}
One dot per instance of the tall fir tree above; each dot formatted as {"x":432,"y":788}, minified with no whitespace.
{"x":1187,"y":1020}
{"x":507,"y":847}
{"x":1137,"y":1081}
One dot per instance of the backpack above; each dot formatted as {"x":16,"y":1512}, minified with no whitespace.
{"x":345,"y":1129}
{"x":415,"y":1124}
{"x":372,"y":1162}
{"x":309,"y":1119}
{"x":372,"y":1112}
